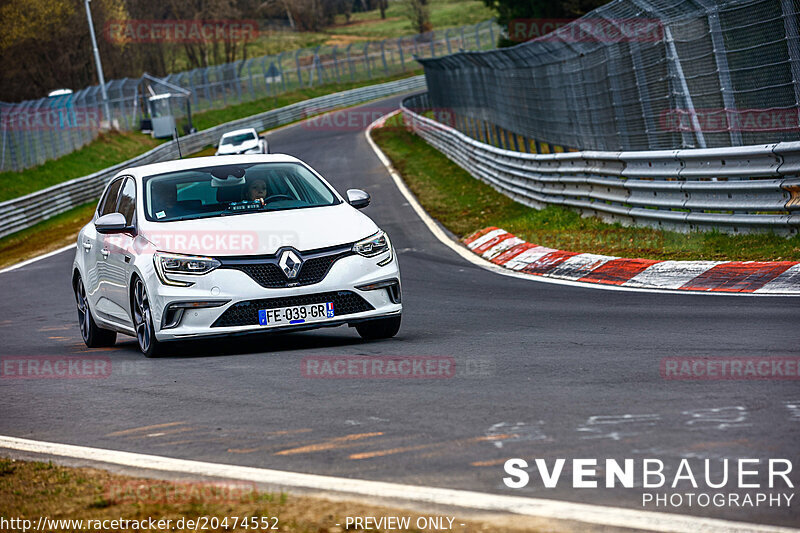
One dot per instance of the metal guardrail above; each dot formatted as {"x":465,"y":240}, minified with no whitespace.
{"x":735,"y":190}
{"x":637,"y":75}
{"x":24,"y":212}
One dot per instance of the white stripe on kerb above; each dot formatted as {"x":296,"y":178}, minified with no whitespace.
{"x":528,"y":256}
{"x":670,"y":274}
{"x":498,"y":249}
{"x":788,"y":282}
{"x":483,"y":239}
{"x":578,"y":266}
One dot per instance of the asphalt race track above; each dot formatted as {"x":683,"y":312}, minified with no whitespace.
{"x":544,"y":370}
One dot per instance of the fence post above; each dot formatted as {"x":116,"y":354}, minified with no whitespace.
{"x":280,"y":67}
{"x":297,"y":63}
{"x":402,"y":56}
{"x":725,"y":84}
{"x":349,"y":62}
{"x":366,"y":60}
{"x":687,"y":97}
{"x":336,"y":64}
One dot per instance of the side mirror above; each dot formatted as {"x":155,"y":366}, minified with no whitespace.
{"x":112,"y":223}
{"x":358,"y":198}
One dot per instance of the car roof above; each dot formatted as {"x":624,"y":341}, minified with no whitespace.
{"x":238,"y":132}
{"x":208,"y":161}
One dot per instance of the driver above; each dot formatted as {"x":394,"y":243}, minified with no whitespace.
{"x":256,"y":190}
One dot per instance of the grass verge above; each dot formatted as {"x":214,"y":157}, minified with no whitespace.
{"x":61,"y":230}
{"x":107,"y":150}
{"x":464,"y":205}
{"x":212,"y":117}
{"x":49,"y":235}
{"x":36,"y":489}
{"x":443,"y":14}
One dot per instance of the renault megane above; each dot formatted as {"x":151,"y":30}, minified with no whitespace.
{"x":220,"y":246}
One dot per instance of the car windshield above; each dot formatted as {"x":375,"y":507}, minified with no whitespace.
{"x":238,"y":139}
{"x":233,"y":189}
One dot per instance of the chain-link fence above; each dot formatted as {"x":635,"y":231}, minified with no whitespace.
{"x":37,"y":130}
{"x":633,"y":75}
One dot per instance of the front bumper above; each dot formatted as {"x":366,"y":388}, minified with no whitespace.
{"x":236,"y":288}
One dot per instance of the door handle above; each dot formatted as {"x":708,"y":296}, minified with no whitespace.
{"x":105,"y":253}
{"x":87,"y":245}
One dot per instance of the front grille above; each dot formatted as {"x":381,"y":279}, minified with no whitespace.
{"x":266,"y":272}
{"x":246,"y":313}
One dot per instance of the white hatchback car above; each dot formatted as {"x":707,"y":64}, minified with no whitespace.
{"x":220,"y":246}
{"x":246,"y":141}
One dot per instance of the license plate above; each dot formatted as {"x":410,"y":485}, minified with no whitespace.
{"x":297,"y":314}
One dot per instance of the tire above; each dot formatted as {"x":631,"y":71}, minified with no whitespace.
{"x":93,"y":335}
{"x":382,"y":328}
{"x":143,"y":321}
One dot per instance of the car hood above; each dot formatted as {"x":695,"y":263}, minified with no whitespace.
{"x":261,"y":233}
{"x":227,"y":149}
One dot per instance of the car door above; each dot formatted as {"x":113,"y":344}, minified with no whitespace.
{"x":118,"y":256}
{"x":92,"y":244}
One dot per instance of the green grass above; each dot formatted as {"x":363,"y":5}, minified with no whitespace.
{"x":444,"y":14}
{"x":366,"y":25}
{"x":46,"y":236}
{"x":115,"y":147}
{"x":31,"y":490}
{"x":107,"y":150}
{"x":464,"y":205}
{"x":213,"y":117}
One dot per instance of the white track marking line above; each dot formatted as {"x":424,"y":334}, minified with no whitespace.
{"x":38,"y":258}
{"x":538,"y":507}
{"x":434,"y":228}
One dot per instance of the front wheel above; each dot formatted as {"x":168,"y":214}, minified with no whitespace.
{"x":382,"y":328}
{"x":143,"y":321}
{"x":93,"y":335}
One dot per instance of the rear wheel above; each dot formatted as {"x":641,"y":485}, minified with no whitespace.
{"x":382,"y":328}
{"x":93,"y":335}
{"x":143,"y":321}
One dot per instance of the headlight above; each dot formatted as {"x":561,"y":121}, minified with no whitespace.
{"x":374,"y":246}
{"x":167,"y":264}
{"x":255,"y":150}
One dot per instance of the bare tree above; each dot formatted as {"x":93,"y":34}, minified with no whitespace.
{"x":419,"y":13}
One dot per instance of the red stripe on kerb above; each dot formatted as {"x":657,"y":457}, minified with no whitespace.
{"x":618,"y":271}
{"x":491,"y":243}
{"x":478,"y":234}
{"x":548,"y":262}
{"x":738,"y":276}
{"x":513,"y":252}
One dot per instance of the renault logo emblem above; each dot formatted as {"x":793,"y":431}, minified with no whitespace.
{"x":290,"y":263}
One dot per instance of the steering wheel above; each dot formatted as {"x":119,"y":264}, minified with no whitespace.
{"x":277,"y":196}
